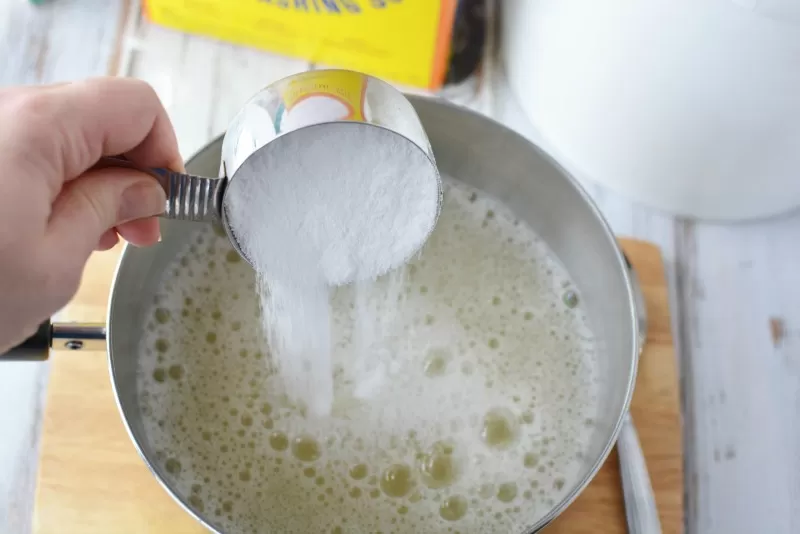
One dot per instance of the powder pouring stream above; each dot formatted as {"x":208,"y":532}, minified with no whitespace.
{"x":343,"y":189}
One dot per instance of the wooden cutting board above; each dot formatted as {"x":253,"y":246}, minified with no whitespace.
{"x":92,"y":481}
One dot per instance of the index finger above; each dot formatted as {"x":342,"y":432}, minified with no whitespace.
{"x":147,"y":137}
{"x":105,"y":117}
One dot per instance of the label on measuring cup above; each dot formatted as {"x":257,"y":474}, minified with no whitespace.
{"x":323,"y":96}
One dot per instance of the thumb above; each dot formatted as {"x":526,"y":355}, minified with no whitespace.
{"x":97,"y":201}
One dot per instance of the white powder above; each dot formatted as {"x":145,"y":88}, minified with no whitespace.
{"x":322,"y":207}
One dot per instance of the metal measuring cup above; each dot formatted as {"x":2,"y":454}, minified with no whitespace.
{"x":287,"y":107}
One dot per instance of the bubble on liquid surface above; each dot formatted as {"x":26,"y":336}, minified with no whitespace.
{"x":527,"y":417}
{"x":438,"y":467}
{"x":359,"y":472}
{"x":305,"y":449}
{"x":436,"y":361}
{"x":500,"y":429}
{"x":162,"y":345}
{"x":570,"y":298}
{"x":172,"y":466}
{"x":454,"y":508}
{"x":396,"y":480}
{"x":162,"y":315}
{"x":279,"y":441}
{"x":507,"y":492}
{"x":159,"y":375}
{"x":530,"y":460}
{"x":175,"y":372}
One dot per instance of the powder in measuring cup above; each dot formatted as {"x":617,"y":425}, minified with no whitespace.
{"x":332,"y":204}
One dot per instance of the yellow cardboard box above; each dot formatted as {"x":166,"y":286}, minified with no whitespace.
{"x":404,"y":41}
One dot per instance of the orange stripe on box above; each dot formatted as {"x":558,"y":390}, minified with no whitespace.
{"x":146,"y":12}
{"x":447,"y":14}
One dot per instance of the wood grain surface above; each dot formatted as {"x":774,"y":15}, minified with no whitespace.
{"x":91,"y":480}
{"x":733,"y":288}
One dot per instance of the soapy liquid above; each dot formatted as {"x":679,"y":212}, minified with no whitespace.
{"x":465,"y":389}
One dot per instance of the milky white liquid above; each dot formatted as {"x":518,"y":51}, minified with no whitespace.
{"x":465,"y":390}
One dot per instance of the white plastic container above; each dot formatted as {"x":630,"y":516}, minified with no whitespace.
{"x":690,"y":106}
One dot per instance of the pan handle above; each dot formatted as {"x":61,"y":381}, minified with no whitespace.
{"x":58,"y":336}
{"x":641,"y":512}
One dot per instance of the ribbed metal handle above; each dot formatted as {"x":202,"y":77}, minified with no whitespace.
{"x":189,"y":197}
{"x":192,"y":198}
{"x":640,"y":503}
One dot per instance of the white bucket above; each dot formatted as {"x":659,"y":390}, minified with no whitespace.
{"x":690,"y":106}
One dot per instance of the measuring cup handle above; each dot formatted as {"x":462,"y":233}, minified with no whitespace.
{"x":60,"y":336}
{"x":189,"y":197}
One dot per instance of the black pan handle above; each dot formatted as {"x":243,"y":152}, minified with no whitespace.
{"x":58,"y":336}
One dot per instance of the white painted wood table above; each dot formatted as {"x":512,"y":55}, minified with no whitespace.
{"x":735,"y":288}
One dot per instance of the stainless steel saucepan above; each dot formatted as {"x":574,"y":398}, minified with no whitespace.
{"x":482,"y":154}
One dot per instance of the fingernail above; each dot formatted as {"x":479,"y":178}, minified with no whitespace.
{"x":160,"y":239}
{"x":177,"y":165}
{"x":143,"y":199}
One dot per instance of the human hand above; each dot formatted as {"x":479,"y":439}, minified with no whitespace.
{"x":54,"y":209}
